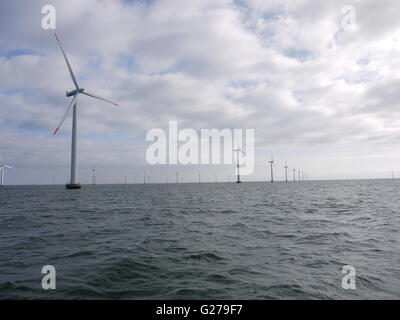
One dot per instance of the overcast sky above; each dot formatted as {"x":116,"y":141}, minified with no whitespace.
{"x":322,"y":97}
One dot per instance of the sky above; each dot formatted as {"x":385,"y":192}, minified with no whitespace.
{"x":318,"y":88}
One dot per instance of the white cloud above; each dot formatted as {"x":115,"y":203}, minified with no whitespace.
{"x":287,"y":69}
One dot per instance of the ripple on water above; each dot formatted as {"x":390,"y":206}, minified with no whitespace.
{"x":201,"y":241}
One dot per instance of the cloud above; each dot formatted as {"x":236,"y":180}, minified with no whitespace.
{"x":287,"y":69}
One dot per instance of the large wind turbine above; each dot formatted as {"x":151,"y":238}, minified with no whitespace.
{"x":237,"y":162}
{"x":74,"y":93}
{"x":3,"y":167}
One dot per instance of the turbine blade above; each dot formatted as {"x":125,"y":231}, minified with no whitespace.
{"x":100,"y":98}
{"x":68,"y":65}
{"x":1,"y":161}
{"x":66,"y":112}
{"x":9,"y":167}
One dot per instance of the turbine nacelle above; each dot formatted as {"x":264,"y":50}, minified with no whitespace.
{"x":74,"y":92}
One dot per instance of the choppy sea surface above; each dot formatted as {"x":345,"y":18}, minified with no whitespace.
{"x":202,"y":241}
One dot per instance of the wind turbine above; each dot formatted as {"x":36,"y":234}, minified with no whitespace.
{"x":3,"y":167}
{"x":286,"y":169}
{"x":299,"y":172}
{"x":237,"y":162}
{"x":294,"y":174}
{"x":93,"y":176}
{"x":74,"y":93}
{"x":271,"y":162}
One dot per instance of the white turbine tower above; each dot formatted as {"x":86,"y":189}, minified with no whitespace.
{"x":74,"y":93}
{"x":237,"y":162}
{"x":3,"y":167}
{"x":286,"y":169}
{"x":271,"y":162}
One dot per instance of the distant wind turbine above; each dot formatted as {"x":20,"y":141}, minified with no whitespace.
{"x":3,"y":168}
{"x":286,"y":169}
{"x":271,"y":162}
{"x":74,"y":93}
{"x":294,"y":174}
{"x":237,"y":162}
{"x":93,"y":176}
